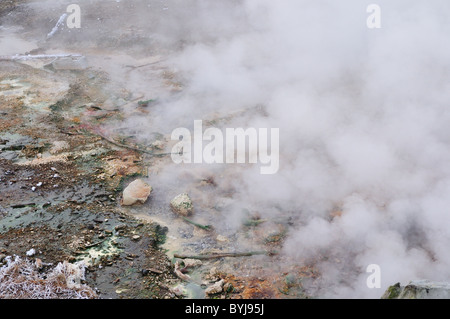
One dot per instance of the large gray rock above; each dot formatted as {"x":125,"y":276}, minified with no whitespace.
{"x":419,"y":289}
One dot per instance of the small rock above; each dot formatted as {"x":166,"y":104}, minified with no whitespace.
{"x":120,"y":227}
{"x":223,"y":204}
{"x":136,"y":237}
{"x":31,"y":252}
{"x":228,"y":287}
{"x":213,"y":272}
{"x":221,"y":238}
{"x":159,"y":145}
{"x":213,"y":275}
{"x":38,"y":263}
{"x":182,"y":205}
{"x":216,"y":288}
{"x":2,"y":256}
{"x":136,"y":191}
{"x":191,"y":263}
{"x":178,"y":290}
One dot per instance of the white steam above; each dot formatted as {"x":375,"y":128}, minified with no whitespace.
{"x":363,"y":117}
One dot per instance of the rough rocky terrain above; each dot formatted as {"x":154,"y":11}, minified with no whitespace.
{"x":64,"y":163}
{"x":418,"y":289}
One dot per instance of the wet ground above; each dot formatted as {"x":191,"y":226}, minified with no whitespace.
{"x":65,"y":160}
{"x":55,"y":197}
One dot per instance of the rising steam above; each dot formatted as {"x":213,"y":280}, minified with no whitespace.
{"x":363,"y":117}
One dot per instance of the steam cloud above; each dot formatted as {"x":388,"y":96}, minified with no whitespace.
{"x":363,"y":117}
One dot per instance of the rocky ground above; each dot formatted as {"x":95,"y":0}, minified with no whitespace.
{"x":60,"y":186}
{"x":63,"y":172}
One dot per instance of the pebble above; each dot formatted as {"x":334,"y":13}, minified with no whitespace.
{"x":178,"y":290}
{"x":216,"y":288}
{"x":38,"y":263}
{"x":119,"y":227}
{"x":31,"y":252}
{"x":221,"y":238}
{"x":213,"y":272}
{"x":190,"y":263}
{"x":228,"y":287}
